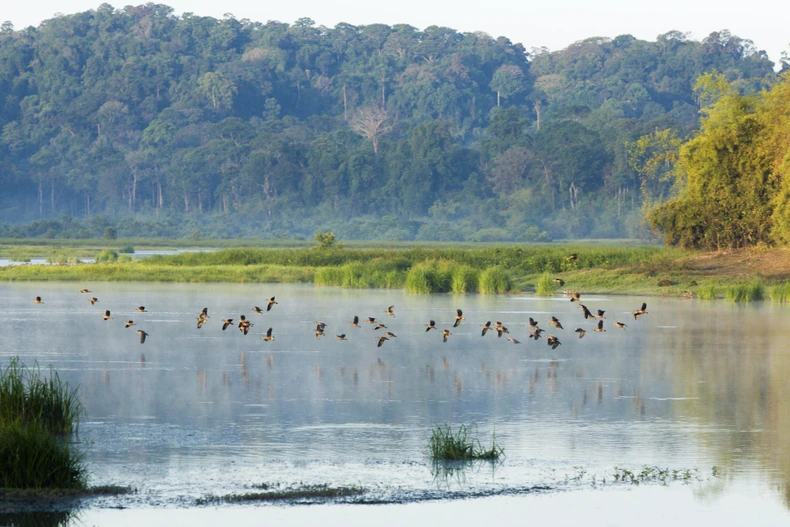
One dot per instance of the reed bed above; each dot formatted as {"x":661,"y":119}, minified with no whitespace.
{"x":779,"y":293}
{"x":750,"y":292}
{"x":465,"y":279}
{"x":494,"y":280}
{"x":545,"y":285}
{"x":708,"y":292}
{"x":35,"y":412}
{"x":446,"y":445}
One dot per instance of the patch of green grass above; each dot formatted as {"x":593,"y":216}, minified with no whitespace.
{"x":707,"y":292}
{"x":28,"y":396}
{"x":126,"y":249}
{"x":310,"y":492}
{"x":748,"y":292}
{"x":779,"y":292}
{"x":107,"y":256}
{"x":494,"y":280}
{"x":446,"y":445}
{"x":545,"y":285}
{"x":465,"y":280}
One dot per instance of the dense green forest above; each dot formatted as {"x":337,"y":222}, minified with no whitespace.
{"x":164,"y":125}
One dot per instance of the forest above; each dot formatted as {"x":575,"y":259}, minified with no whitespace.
{"x":153,"y":124}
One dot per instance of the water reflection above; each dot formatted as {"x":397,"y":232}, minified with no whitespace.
{"x":691,"y":385}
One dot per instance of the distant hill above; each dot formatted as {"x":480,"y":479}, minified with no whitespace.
{"x":167,"y":125}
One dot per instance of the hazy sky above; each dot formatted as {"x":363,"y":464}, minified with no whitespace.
{"x":552,"y":24}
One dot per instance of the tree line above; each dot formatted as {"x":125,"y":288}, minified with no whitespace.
{"x":188,"y":125}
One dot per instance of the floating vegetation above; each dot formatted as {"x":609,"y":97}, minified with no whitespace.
{"x":650,"y":474}
{"x":274,"y":493}
{"x":446,"y":445}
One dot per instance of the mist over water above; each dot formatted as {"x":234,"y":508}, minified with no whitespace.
{"x":193,"y":412}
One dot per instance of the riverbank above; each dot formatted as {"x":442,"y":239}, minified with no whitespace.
{"x":648,"y":270}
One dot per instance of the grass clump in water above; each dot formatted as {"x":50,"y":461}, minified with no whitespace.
{"x":779,"y":292}
{"x":107,"y":256}
{"x":745,"y":292}
{"x":545,"y":285}
{"x":707,"y":292}
{"x":465,"y":279}
{"x":34,"y":412}
{"x":650,"y":474}
{"x":446,"y":445}
{"x":494,"y":280}
{"x":309,"y":492}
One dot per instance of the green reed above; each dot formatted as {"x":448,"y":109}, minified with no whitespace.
{"x":749,"y":292}
{"x":465,"y":279}
{"x":545,"y":285}
{"x":494,"y":280}
{"x":779,"y":292}
{"x":707,"y":292}
{"x":446,"y":445}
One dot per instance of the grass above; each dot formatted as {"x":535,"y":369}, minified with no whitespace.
{"x":748,"y":292}
{"x":446,"y":445}
{"x":35,"y":412}
{"x":465,"y":279}
{"x":494,"y":280}
{"x":707,"y":292}
{"x":780,"y":292}
{"x":650,"y":474}
{"x":27,"y":396}
{"x":545,"y":285}
{"x":310,"y":492}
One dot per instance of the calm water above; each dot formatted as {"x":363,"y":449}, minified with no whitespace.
{"x":193,"y":412}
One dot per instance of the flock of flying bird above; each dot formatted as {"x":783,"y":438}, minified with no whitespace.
{"x":535,"y":332}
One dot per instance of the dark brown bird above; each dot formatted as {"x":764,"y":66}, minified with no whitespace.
{"x":128,"y":323}
{"x":501,"y":330}
{"x":575,"y":296}
{"x":204,"y":313}
{"x":556,"y":323}
{"x":572,"y":256}
{"x":84,"y":291}
{"x":93,"y":300}
{"x":445,"y":334}
{"x":600,"y":328}
{"x":244,"y":324}
{"x":268,"y":336}
{"x":535,"y":334}
{"x":200,"y":321}
{"x":341,"y":337}
{"x":106,"y":315}
{"x":532,"y":323}
{"x":379,"y":326}
{"x":559,"y":281}
{"x":458,"y":317}
{"x":320,"y":324}
{"x":38,"y":300}
{"x":226,"y":323}
{"x":141,"y":309}
{"x":319,"y":332}
{"x":381,"y":341}
{"x":514,"y":341}
{"x":430,"y":326}
{"x":586,"y":312}
{"x":355,"y":322}
{"x":553,"y":342}
{"x":142,"y":334}
{"x":270,"y":303}
{"x":641,"y":311}
{"x":581,"y":332}
{"x":390,"y":311}
{"x":391,"y":335}
{"x":620,"y":325}
{"x":258,"y":310}
{"x":600,"y":314}
{"x":486,"y":327}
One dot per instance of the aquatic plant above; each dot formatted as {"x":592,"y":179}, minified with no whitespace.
{"x":707,"y":292}
{"x":27,"y":396}
{"x":779,"y":292}
{"x":465,"y":279}
{"x":107,"y":256}
{"x":745,"y":292}
{"x":655,"y":475}
{"x":545,"y":285}
{"x":494,"y":280}
{"x":446,"y":445}
{"x":275,"y":493}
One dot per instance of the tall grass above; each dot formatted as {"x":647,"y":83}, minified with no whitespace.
{"x":430,"y":277}
{"x":545,"y":285}
{"x":31,"y":457}
{"x":745,"y":292}
{"x":465,"y":279}
{"x":779,"y":292}
{"x":446,"y":445}
{"x":494,"y":280}
{"x":707,"y":292}
{"x":28,"y":396}
{"x":34,"y":411}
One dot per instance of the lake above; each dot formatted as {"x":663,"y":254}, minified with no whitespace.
{"x":699,"y":387}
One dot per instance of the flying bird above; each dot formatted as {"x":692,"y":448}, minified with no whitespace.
{"x":379,"y":326}
{"x":641,"y":311}
{"x":258,"y":310}
{"x":341,"y":337}
{"x":93,"y":300}
{"x":270,"y":304}
{"x":581,"y":332}
{"x":600,"y":328}
{"x":84,"y":291}
{"x":514,"y":341}
{"x":445,"y":334}
{"x":535,"y":334}
{"x":381,"y":341}
{"x":586,"y":312}
{"x":390,"y":311}
{"x":391,"y":335}
{"x":572,"y":256}
{"x":620,"y":325}
{"x":141,"y":309}
{"x":268,"y":336}
{"x":532,"y":323}
{"x":142,"y":334}
{"x":458,"y":317}
{"x":486,"y":327}
{"x":38,"y":300}
{"x":355,"y":322}
{"x":559,"y":281}
{"x":129,"y":323}
{"x":575,"y":296}
{"x":556,"y":323}
{"x":600,"y":314}
{"x":106,"y":315}
{"x":553,"y":342}
{"x":226,"y":323}
{"x":430,"y":326}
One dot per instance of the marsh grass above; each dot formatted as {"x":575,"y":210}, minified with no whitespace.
{"x":446,"y":445}
{"x":465,"y":279}
{"x":310,"y":492}
{"x":650,"y":474}
{"x":494,"y":280}
{"x":434,"y":276}
{"x":707,"y":292}
{"x":749,"y":292}
{"x":107,"y":256}
{"x":32,"y":457}
{"x":779,"y":292}
{"x":545,"y":285}
{"x":28,"y":396}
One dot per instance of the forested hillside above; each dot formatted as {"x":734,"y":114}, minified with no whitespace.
{"x":192,"y":126}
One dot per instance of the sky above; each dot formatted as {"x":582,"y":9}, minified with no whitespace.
{"x":554,"y":25}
